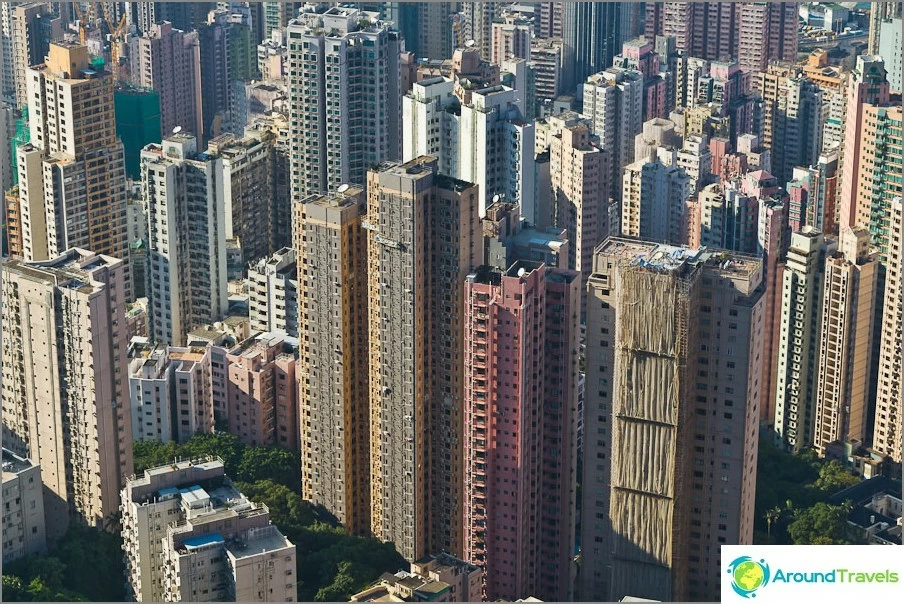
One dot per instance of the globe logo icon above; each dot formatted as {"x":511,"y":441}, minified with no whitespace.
{"x":748,"y":575}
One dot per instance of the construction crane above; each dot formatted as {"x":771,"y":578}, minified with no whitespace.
{"x":117,"y":38}
{"x":83,"y":20}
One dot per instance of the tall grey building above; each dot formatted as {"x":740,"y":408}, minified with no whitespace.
{"x":344,"y":98}
{"x":592,"y":35}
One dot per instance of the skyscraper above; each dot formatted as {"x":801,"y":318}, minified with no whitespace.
{"x":887,"y":434}
{"x":478,"y":25}
{"x":653,"y":201}
{"x":867,"y":85}
{"x":216,"y":71}
{"x":674,"y":338}
{"x":73,"y":126}
{"x":426,"y":27}
{"x":169,"y":61}
{"x":424,"y":237}
{"x":333,"y":362}
{"x":65,"y":403}
{"x":592,"y":36}
{"x":613,"y":102}
{"x":890,"y":45}
{"x":767,"y":31}
{"x":522,"y":328}
{"x":878,"y":14}
{"x":798,"y":343}
{"x":344,"y":98}
{"x":186,"y":276}
{"x":847,"y":334}
{"x":578,"y":170}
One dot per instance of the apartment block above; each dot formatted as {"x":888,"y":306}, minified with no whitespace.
{"x":578,"y":169}
{"x":462,"y":135}
{"x":424,"y":237}
{"x":592,"y":34}
{"x":613,"y":102}
{"x":190,"y":535}
{"x":847,"y":336}
{"x":546,"y":55}
{"x":879,"y":13}
{"x":175,"y":392}
{"x":169,"y":61}
{"x":891,"y":40}
{"x":674,"y":338}
{"x":64,"y":379}
{"x":261,"y":390}
{"x":798,"y":343}
{"x":832,"y":80}
{"x":273,"y":293}
{"x":767,"y":31}
{"x":822,"y":192}
{"x":510,"y":41}
{"x":867,"y":86}
{"x":333,"y":382}
{"x":82,"y":172}
{"x":345,"y":97}
{"x":186,"y":273}
{"x":24,"y":532}
{"x":520,"y":428}
{"x":26,"y":30}
{"x":887,"y":434}
{"x":653,"y":199}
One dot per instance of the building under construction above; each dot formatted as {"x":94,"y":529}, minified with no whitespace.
{"x":674,"y":337}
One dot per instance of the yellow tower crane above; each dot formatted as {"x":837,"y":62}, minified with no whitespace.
{"x":117,"y":38}
{"x":83,"y":19}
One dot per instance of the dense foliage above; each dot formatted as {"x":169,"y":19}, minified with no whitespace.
{"x":332,"y":565}
{"x":792,"y":493}
{"x":85,"y":565}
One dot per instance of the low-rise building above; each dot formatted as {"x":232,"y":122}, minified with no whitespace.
{"x":23,"y":512}
{"x":190,"y":535}
{"x":440,"y":578}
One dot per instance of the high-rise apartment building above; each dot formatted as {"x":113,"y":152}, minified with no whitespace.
{"x":773,"y":240}
{"x":427,"y":27}
{"x":708,"y":30}
{"x":798,"y":342}
{"x":65,"y":404}
{"x":216,"y":71}
{"x":248,"y":187}
{"x":878,"y":14}
{"x":548,"y":19}
{"x":273,"y":294}
{"x":424,"y":237}
{"x":333,"y":360}
{"x":832,"y":80}
{"x":891,"y":42}
{"x":592,"y":35}
{"x":653,"y":200}
{"x":186,"y":273}
{"x":26,"y":30}
{"x":261,"y":394}
{"x":613,"y":102}
{"x":463,"y":136}
{"x":81,"y":183}
{"x":674,"y":338}
{"x":546,"y":55}
{"x":510,"y":41}
{"x":277,"y":15}
{"x":24,"y":531}
{"x":477,"y":25}
{"x":168,"y":60}
{"x":887,"y":433}
{"x":867,"y":86}
{"x":847,"y":334}
{"x":767,"y":31}
{"x":344,"y":99}
{"x":522,"y":328}
{"x":822,"y":190}
{"x":214,"y":545}
{"x":578,"y":169}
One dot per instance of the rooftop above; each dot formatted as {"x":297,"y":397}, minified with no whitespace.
{"x":13,"y":464}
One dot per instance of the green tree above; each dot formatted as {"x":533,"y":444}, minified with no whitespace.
{"x":270,"y":463}
{"x":834,"y":477}
{"x":822,"y":524}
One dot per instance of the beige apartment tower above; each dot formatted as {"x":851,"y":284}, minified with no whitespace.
{"x":82,"y":169}
{"x":65,"y":403}
{"x":847,"y":332}
{"x":674,"y":341}
{"x":890,"y":397}
{"x":333,"y":361}
{"x":424,"y":235}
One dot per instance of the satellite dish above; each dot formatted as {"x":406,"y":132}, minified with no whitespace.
{"x":177,"y":129}
{"x":470,"y":43}
{"x":521,"y":272}
{"x":495,"y":198}
{"x":343,"y":188}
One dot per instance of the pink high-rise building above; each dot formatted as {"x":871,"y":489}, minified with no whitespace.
{"x":767,"y":31}
{"x":520,"y":408}
{"x":639,"y":55}
{"x":868,"y":85}
{"x":771,"y":243}
{"x":262,"y":403}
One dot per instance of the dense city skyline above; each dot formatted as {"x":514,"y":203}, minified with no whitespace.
{"x":522,"y":296}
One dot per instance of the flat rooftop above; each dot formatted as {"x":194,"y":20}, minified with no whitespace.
{"x":267,"y":539}
{"x":13,"y":464}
